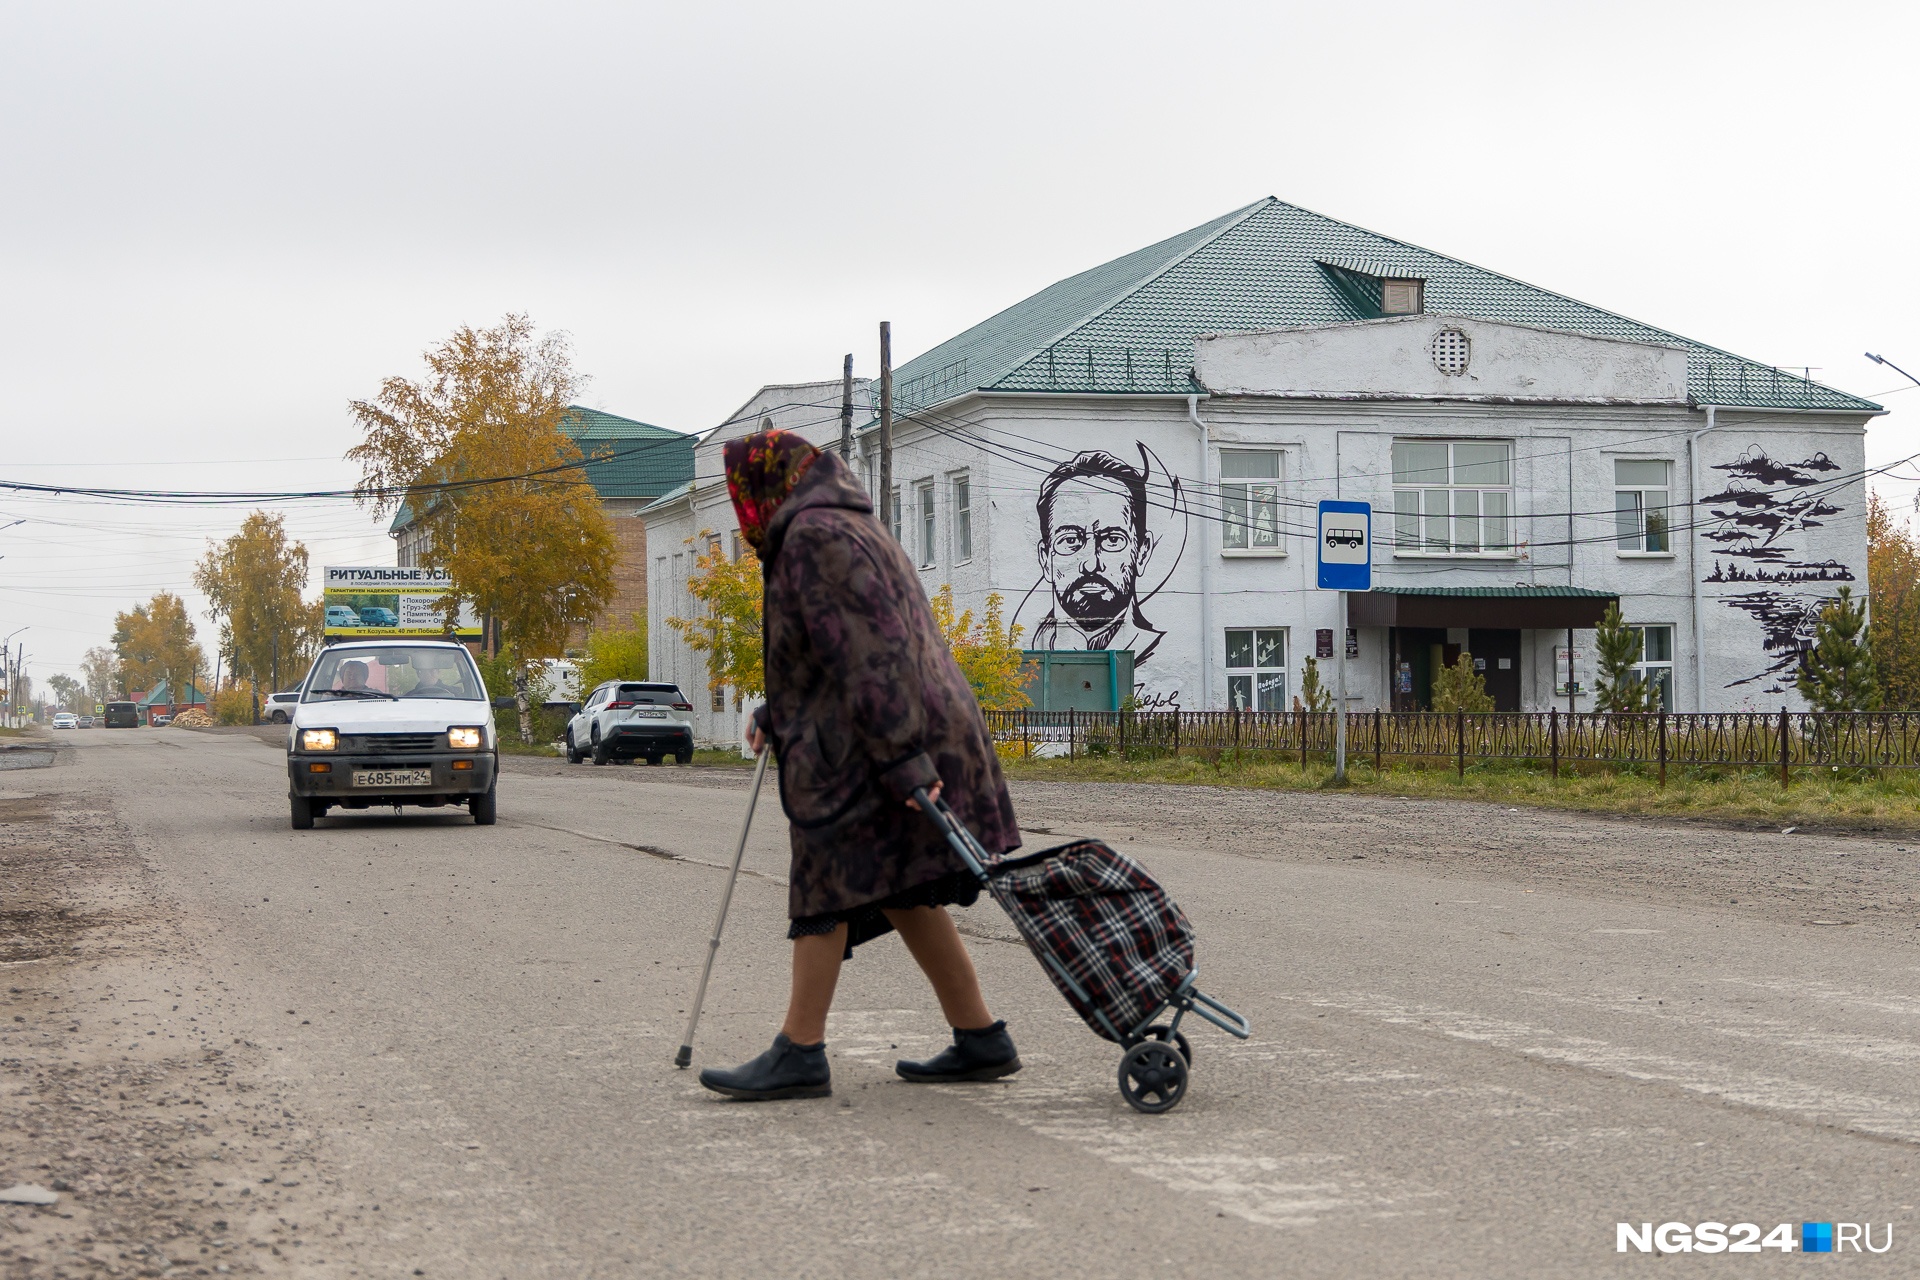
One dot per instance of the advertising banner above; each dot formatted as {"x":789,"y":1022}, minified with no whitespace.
{"x":387,"y":600}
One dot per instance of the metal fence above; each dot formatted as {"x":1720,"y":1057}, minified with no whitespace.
{"x":1784,"y":740}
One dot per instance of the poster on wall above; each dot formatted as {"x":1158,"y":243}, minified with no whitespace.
{"x":1582,"y":671}
{"x":388,"y":600}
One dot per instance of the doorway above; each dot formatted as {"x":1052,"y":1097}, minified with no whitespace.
{"x":1417,"y":652}
{"x":1496,"y":656}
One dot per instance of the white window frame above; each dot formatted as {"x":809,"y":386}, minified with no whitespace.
{"x":1643,"y":508}
{"x":1249,"y":678}
{"x":1238,"y":498}
{"x":1652,"y":670}
{"x":960,"y":485}
{"x":925,"y":517}
{"x":893,"y":513}
{"x":1425,"y":500}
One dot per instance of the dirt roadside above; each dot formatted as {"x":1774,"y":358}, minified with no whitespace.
{"x":171,"y":1151}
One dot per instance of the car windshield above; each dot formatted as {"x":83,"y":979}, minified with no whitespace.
{"x":393,"y":671}
{"x":647,"y":694}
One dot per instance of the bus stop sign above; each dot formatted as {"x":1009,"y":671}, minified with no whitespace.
{"x":1346,"y":546}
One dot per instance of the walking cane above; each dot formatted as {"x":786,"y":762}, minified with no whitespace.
{"x":685,"y":1056}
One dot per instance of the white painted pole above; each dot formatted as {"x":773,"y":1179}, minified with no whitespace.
{"x":1340,"y":695}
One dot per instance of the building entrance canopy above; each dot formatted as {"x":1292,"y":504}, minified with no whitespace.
{"x":1513,"y":608}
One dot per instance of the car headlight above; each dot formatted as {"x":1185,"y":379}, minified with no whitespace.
{"x":318,"y":739}
{"x":466,"y":738}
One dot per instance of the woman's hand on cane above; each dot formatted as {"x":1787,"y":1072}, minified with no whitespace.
{"x":756,"y":740}
{"x":933,"y":794}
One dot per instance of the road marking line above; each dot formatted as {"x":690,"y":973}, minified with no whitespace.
{"x":1863,"y":1112}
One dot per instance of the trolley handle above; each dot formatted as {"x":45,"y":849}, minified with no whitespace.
{"x":955,"y":831}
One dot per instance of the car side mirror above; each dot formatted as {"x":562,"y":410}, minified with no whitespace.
{"x":506,"y":703}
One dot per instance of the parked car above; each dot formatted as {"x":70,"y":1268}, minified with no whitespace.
{"x":394,"y":722}
{"x":631,"y":719}
{"x":373,"y":616}
{"x":86,"y":722}
{"x":159,"y":719}
{"x":280,"y":706}
{"x":122,"y":715}
{"x":342,"y":615}
{"x":65,"y":720}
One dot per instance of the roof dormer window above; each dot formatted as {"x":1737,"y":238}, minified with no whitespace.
{"x":1402,"y":296}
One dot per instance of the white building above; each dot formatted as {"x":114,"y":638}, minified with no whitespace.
{"x":683,"y":522}
{"x":1132,"y":459}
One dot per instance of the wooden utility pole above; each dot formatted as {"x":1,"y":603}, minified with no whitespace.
{"x":846,"y":411}
{"x":886,"y":425}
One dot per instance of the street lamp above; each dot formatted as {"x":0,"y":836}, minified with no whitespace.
{"x":1891,"y":365}
{"x":11,"y":670}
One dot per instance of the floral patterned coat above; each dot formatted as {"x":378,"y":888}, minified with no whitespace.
{"x":864,"y":704}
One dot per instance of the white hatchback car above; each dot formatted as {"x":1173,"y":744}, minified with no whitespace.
{"x":65,"y":720}
{"x":392,"y":722}
{"x":632,"y":719}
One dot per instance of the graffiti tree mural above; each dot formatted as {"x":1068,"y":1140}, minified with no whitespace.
{"x":1111,"y":535}
{"x":1758,"y":524}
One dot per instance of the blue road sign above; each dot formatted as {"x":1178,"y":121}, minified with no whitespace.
{"x":1346,"y":546}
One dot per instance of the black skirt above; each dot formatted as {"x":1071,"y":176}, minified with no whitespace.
{"x":867,"y":921}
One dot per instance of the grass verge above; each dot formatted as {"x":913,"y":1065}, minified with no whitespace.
{"x":1859,"y":799}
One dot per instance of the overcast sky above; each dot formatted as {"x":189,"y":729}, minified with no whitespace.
{"x":221,"y":221}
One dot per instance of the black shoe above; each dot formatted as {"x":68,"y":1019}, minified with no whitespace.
{"x":983,"y":1054}
{"x":787,"y":1070}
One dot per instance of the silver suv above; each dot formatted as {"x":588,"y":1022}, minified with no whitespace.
{"x":630,"y":720}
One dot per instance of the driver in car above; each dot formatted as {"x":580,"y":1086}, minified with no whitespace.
{"x":430,"y":685}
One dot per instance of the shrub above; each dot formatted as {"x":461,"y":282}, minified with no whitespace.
{"x":234,"y":704}
{"x":1460,"y":688}
{"x":615,"y":653}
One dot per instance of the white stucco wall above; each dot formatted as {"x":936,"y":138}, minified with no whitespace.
{"x":1393,"y":358}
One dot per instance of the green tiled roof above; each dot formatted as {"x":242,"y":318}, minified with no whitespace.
{"x":625,"y":458}
{"x":1502,"y":593}
{"x":1129,"y":326}
{"x":628,"y":459}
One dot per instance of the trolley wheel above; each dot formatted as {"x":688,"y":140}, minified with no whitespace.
{"x":1158,"y":1031}
{"x":1153,"y":1077}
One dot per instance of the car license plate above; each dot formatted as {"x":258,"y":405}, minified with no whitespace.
{"x":393,"y":777}
{"x":651,"y":713}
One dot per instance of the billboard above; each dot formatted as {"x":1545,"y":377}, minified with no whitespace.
{"x":388,"y":600}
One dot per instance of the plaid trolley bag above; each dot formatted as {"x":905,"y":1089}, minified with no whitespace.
{"x":1118,"y":948}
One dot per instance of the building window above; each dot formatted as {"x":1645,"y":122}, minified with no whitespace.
{"x":929,"y":550}
{"x":1640,"y":496}
{"x":1402,"y":297}
{"x":962,"y":519}
{"x":893,"y":513}
{"x":1250,"y":499}
{"x":1656,"y":661}
{"x":1257,"y":669}
{"x":1453,"y":497}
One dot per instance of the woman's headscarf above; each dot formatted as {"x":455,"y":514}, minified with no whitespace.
{"x":762,"y":470}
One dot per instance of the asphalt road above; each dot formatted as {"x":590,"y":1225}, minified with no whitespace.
{"x":1459,"y":1068}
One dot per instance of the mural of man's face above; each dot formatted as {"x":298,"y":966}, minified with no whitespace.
{"x":1093,"y":556}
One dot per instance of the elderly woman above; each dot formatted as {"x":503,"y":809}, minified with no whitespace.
{"x":864,"y":706}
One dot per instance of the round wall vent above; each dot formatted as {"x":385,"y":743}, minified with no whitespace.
{"x":1451,"y":351}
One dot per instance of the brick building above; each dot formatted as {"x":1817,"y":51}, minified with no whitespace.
{"x":630,"y":464}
